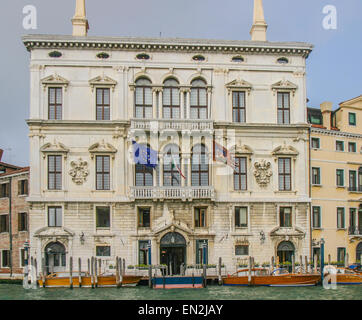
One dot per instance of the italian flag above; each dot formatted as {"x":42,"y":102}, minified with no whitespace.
{"x":174,"y":165}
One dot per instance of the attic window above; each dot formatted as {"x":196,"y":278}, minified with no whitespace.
{"x":103,"y":55}
{"x":55,"y":54}
{"x":198,"y":58}
{"x":283,"y":60}
{"x":237,"y":59}
{"x":143,"y":56}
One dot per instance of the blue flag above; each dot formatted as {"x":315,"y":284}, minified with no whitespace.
{"x":144,"y":155}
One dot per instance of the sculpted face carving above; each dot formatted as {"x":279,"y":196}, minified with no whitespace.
{"x":79,"y":171}
{"x":263,"y":172}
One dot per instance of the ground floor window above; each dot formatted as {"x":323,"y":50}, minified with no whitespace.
{"x":144,"y":217}
{"x":341,"y":253}
{"x":4,"y":223}
{"x":103,"y":251}
{"x":202,"y":258}
{"x":143,"y":252}
{"x":5,"y":259}
{"x":242,"y":250}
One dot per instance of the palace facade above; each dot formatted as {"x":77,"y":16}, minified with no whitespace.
{"x":92,"y":98}
{"x":336,"y":169}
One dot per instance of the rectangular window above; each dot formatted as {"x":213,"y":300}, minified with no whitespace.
{"x":241,"y":217}
{"x":352,"y":119}
{"x":4,"y":190}
{"x":143,"y":252}
{"x":103,"y":217}
{"x":5,"y":258}
{"x":23,"y":221}
{"x":283,"y":108}
{"x":144,"y":217}
{"x":54,"y":217}
{"x":55,"y":103}
{"x":102,"y":173}
{"x":239,"y":106}
{"x":22,"y":257}
{"x":285,"y":174}
{"x":352,"y":220}
{"x":200,"y":217}
{"x":202,"y":246}
{"x":352,"y":147}
{"x":352,"y":180}
{"x":240,"y":174}
{"x":23,"y":187}
{"x":339,"y":145}
{"x":144,"y":175}
{"x":286,"y":217}
{"x":315,"y":143}
{"x":103,"y":251}
{"x":103,"y":104}
{"x":54,"y":172}
{"x":242,"y":250}
{"x":340,"y":218}
{"x":4,"y":223}
{"x":340,"y":177}
{"x":316,"y":217}
{"x":341,"y":254}
{"x":316,"y":176}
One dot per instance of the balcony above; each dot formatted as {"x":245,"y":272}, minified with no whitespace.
{"x":183,"y":193}
{"x":357,"y":189}
{"x":355,"y":231}
{"x":171,"y":124}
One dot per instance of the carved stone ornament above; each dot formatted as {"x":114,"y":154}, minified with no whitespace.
{"x":263,"y":172}
{"x":79,"y":171}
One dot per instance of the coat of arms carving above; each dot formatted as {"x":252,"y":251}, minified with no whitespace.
{"x":263,"y":172}
{"x":79,"y":171}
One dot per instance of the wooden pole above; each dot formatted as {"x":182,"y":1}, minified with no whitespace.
{"x":36,"y":271}
{"x":204,"y":275}
{"x":346,"y":260}
{"x":301,"y":263}
{"x":95,"y":272}
{"x":121,"y":270}
{"x":315,"y":263}
{"x":272,"y":263}
{"x":150,"y":276}
{"x":117,"y":272}
{"x":71,"y":272}
{"x":88,"y":266}
{"x":80,"y":272}
{"x":329,"y":259}
{"x":306,"y":264}
{"x":277,"y":262}
{"x":220,"y":278}
{"x":43,"y":271}
{"x":124,"y":267}
{"x":92,"y":272}
{"x":293,"y":264}
{"x":249,"y":273}
{"x":100,"y":266}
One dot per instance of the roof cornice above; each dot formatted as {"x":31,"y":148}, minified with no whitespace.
{"x":32,"y":42}
{"x":336,"y":133}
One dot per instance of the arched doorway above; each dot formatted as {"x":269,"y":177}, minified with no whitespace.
{"x":55,"y":257}
{"x":173,"y":251}
{"x":359,"y":252}
{"x":285,"y":251}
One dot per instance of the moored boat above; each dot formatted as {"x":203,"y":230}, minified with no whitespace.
{"x":177,"y":282}
{"x":278,"y":278}
{"x":344,"y":276}
{"x":63,"y":280}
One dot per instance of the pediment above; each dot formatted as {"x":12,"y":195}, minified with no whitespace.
{"x":285,"y":150}
{"x":102,"y":81}
{"x":55,"y":147}
{"x":102,"y":147}
{"x":49,"y":232}
{"x":239,"y":84}
{"x":287,"y":232}
{"x":284,"y":85}
{"x":173,"y":227}
{"x":56,"y":80}
{"x":242,"y":150}
{"x":353,"y":103}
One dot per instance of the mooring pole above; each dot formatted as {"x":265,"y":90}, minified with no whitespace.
{"x":150,"y":276}
{"x":306,"y":264}
{"x":117,"y":272}
{"x":71,"y":272}
{"x":79,"y":272}
{"x":220,"y":278}
{"x":249,"y":272}
{"x":322,"y":259}
{"x":95,"y":272}
{"x":122,"y":267}
{"x":43,"y":271}
{"x":92,"y":272}
{"x":293,"y":264}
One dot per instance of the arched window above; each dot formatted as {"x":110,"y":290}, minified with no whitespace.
{"x":144,"y":175}
{"x":171,"y":166}
{"x":143,"y":98}
{"x":198,"y":103}
{"x":171,"y":99}
{"x":199,"y":166}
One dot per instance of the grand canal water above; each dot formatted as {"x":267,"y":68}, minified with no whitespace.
{"x":17,"y":292}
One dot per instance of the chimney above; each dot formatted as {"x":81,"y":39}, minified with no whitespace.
{"x":326,"y":108}
{"x":1,"y":153}
{"x":258,"y":29}
{"x":79,"y":21}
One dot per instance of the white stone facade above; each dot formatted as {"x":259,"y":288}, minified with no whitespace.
{"x":78,"y":138}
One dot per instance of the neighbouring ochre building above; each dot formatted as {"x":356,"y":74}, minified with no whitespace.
{"x":336,"y":179}
{"x":92,"y":98}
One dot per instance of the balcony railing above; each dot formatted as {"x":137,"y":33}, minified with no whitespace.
{"x":355,"y":189}
{"x":173,"y":124}
{"x":355,"y":231}
{"x":183,"y":193}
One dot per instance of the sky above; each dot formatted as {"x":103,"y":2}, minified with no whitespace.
{"x":334,"y":68}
